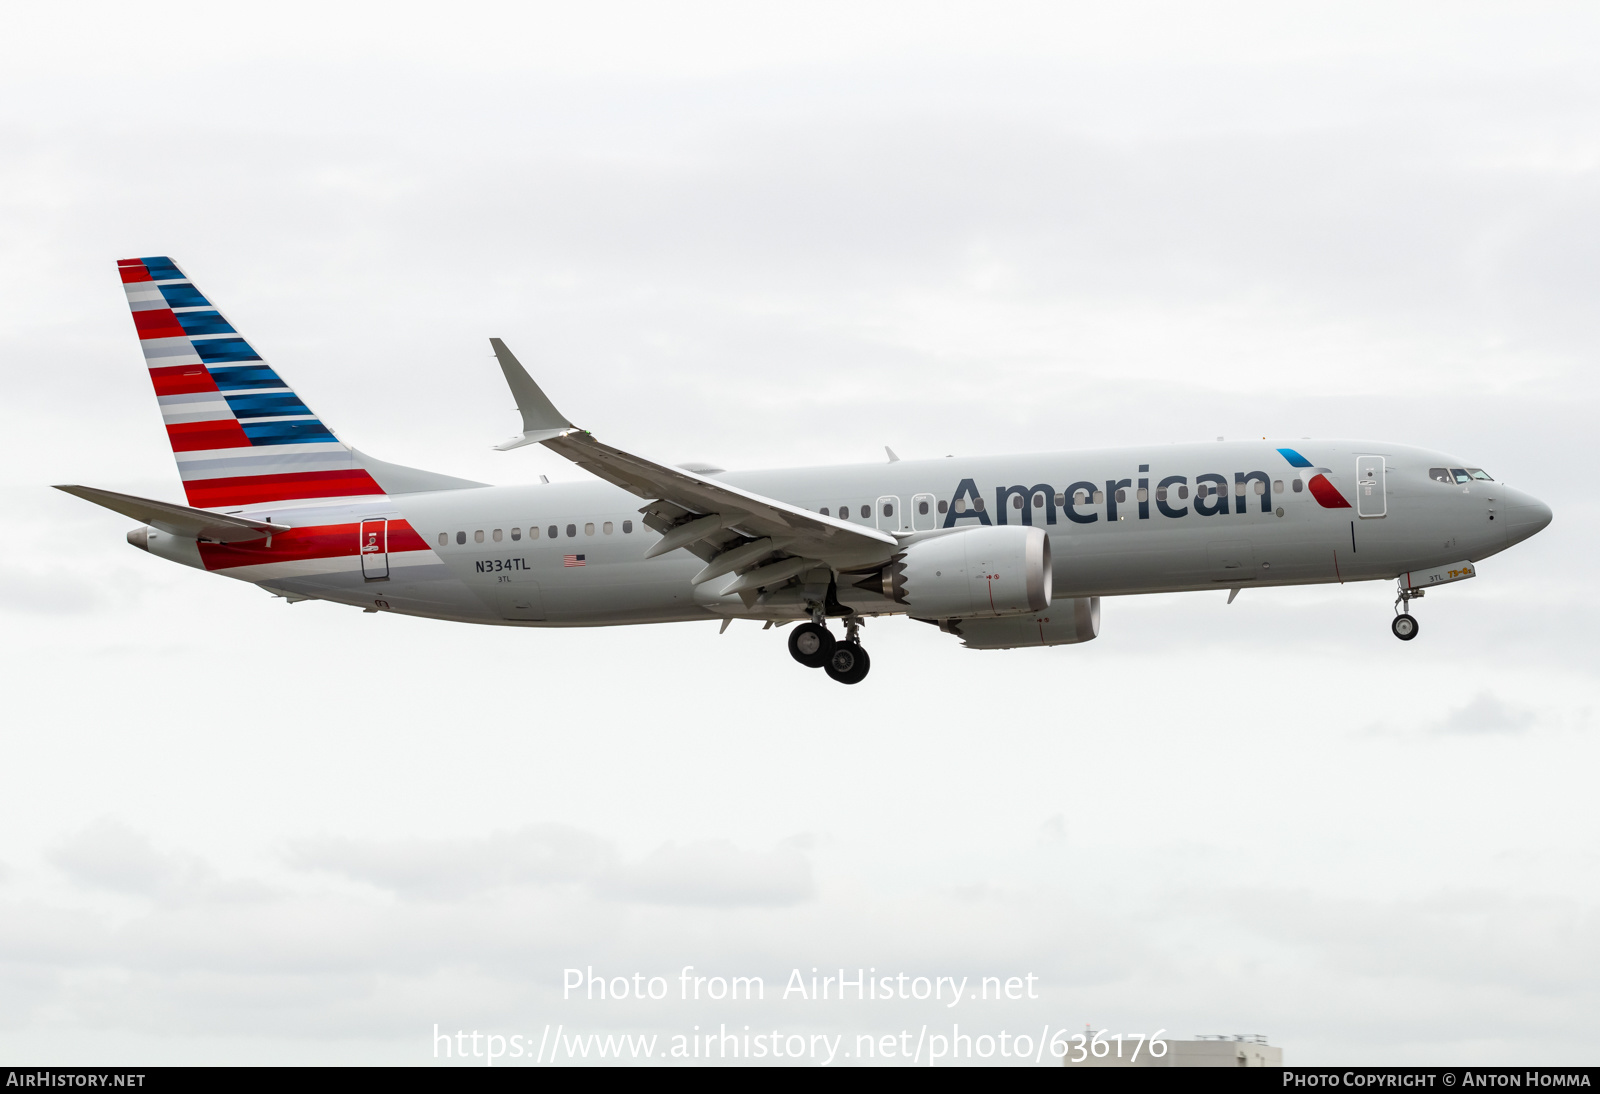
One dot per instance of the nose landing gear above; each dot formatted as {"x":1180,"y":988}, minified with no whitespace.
{"x":1405,"y":625}
{"x":814,"y":646}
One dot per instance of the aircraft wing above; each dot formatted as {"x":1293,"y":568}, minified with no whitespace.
{"x":765,"y":541}
{"x":178,"y":520}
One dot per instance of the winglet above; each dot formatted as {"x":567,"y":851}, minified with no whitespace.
{"x":541,"y":421}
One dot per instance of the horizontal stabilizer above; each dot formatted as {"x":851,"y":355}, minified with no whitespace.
{"x":178,"y":520}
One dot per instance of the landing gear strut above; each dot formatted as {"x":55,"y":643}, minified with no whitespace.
{"x":1405,"y":625}
{"x":814,"y":646}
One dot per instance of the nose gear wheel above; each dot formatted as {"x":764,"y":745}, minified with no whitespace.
{"x":1405,"y":625}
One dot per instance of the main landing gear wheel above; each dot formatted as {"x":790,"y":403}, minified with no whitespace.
{"x":848,"y":663}
{"x":1404,"y":627}
{"x":811,"y":645}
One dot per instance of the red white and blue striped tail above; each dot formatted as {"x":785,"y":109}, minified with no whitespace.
{"x":241,"y":436}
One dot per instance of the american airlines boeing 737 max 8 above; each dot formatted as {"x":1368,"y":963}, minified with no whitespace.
{"x":1001,"y":551}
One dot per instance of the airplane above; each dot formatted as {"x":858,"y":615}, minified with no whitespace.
{"x":1002,"y":552}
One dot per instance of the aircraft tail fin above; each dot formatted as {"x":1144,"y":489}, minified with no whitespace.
{"x":240,"y":434}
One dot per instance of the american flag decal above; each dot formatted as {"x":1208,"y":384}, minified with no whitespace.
{"x":572,"y":560}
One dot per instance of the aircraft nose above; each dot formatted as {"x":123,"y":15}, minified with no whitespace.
{"x":1526,"y":516}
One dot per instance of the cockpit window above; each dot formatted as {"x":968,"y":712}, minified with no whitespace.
{"x":1440,"y":474}
{"x":1479,"y":474}
{"x":1461,"y":474}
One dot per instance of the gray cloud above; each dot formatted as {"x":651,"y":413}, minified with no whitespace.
{"x":112,"y":856}
{"x":715,"y":873}
{"x":1486,"y":713}
{"x":537,"y":855}
{"x":55,"y":592}
{"x":712,"y":873}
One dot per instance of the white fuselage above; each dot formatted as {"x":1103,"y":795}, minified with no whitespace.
{"x":469,"y":554}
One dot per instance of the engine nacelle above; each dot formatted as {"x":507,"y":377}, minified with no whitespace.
{"x":993,"y":571}
{"x":1067,"y":621}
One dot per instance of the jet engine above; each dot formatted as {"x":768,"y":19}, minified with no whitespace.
{"x":994,"y":571}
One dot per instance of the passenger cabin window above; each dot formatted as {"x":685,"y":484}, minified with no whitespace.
{"x":498,"y":535}
{"x":1183,"y":493}
{"x":1161,"y":493}
{"x":1122,"y":496}
{"x":944,"y":507}
{"x":477,"y":537}
{"x":516,"y":534}
{"x":461,"y":537}
{"x":888,"y":510}
{"x":606,"y":527}
{"x":1061,"y":500}
{"x":1261,"y":487}
{"x":533,"y":531}
{"x":588,"y":529}
{"x":1298,"y":486}
{"x":1277,"y":486}
{"x":1143,"y":494}
{"x":627,"y":527}
{"x":1099,"y":497}
{"x":444,"y":538}
{"x":553,"y":531}
{"x":572,"y":531}
{"x":823,"y":510}
{"x":922,"y":508}
{"x":866,"y":511}
{"x":844,"y":512}
{"x":1016,"y":501}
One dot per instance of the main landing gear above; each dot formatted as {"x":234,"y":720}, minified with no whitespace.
{"x":1405,"y":625}
{"x":811,"y":645}
{"x":814,"y":646}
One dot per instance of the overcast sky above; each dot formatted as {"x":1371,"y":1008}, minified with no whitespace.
{"x":237,"y":830}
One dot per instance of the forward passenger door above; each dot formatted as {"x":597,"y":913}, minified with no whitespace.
{"x":1371,"y":500}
